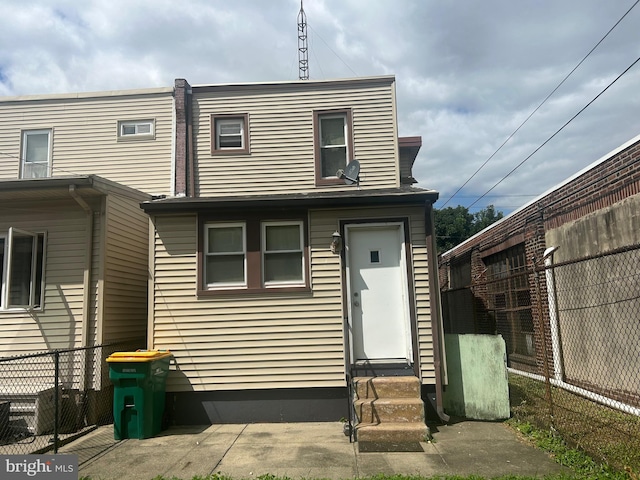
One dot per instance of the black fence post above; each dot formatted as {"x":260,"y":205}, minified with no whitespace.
{"x":56,"y":400}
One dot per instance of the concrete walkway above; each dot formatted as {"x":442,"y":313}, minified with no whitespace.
{"x":303,"y":450}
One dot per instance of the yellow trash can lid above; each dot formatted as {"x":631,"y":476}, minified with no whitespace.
{"x":139,"y":356}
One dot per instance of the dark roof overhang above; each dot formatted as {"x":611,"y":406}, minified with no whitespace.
{"x":326,"y":199}
{"x":58,"y":187}
{"x":408,"y":148}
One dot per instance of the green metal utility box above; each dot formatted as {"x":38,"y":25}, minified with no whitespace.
{"x":139,"y":380}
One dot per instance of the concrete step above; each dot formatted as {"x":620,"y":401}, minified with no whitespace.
{"x":387,"y":387}
{"x":395,"y":410}
{"x":392,"y":432}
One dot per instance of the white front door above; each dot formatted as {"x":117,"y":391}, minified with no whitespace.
{"x":377,"y":293}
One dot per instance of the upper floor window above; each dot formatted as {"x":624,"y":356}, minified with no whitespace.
{"x":21,"y":269}
{"x":229,"y":134}
{"x":333,"y":144}
{"x":36,"y":154}
{"x":136,"y":129}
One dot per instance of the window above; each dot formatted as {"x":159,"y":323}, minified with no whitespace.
{"x":229,"y":134}
{"x":510,"y":301}
{"x":254,"y":254}
{"x":36,"y":154}
{"x":282,"y":253}
{"x":333,"y":144}
{"x":136,"y":129}
{"x":226,"y":255}
{"x":21,"y":269}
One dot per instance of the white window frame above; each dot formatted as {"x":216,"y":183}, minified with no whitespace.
{"x":263,"y":252}
{"x":319,"y":116}
{"x":219,"y":135}
{"x":207,"y":254}
{"x":23,"y":157}
{"x":345,"y":145}
{"x":217,"y":121}
{"x":136,"y":124}
{"x":8,"y":267}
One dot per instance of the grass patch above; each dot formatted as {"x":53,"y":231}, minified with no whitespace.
{"x":592,"y":439}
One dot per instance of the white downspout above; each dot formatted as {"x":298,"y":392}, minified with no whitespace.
{"x":553,"y":314}
{"x":86,"y":294}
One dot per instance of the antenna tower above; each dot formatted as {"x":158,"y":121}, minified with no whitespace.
{"x":303,"y":49}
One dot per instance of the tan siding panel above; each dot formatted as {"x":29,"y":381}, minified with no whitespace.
{"x":85,"y":138}
{"x":280,"y":340}
{"x":266,"y":341}
{"x":281,"y":139}
{"x":59,"y":324}
{"x":126,"y":271}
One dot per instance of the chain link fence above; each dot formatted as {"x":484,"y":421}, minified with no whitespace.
{"x":572,"y":331}
{"x":48,"y":399}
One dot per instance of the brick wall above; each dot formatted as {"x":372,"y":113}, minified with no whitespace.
{"x":607,"y":183}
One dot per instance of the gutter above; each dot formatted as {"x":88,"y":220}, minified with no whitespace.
{"x":338,"y":199}
{"x":439,"y":366}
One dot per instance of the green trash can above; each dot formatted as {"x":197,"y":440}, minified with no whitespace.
{"x":139,"y":380}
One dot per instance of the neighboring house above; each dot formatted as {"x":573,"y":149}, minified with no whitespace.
{"x":73,"y":262}
{"x":589,"y":324}
{"x":72,"y":169}
{"x":73,"y":240}
{"x":274,"y":281}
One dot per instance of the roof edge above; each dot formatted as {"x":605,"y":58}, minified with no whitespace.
{"x":88,"y":95}
{"x":405,"y":196}
{"x":85,"y":181}
{"x":566,"y":181}
{"x":383,"y":79}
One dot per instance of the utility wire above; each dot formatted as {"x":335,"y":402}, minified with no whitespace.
{"x":543,"y":102}
{"x":556,"y":132}
{"x":57,"y":169}
{"x":332,"y":51}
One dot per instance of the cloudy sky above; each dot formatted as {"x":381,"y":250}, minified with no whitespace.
{"x":468,"y":72}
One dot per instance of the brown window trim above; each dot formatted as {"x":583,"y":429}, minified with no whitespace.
{"x":245,"y":138}
{"x":253,"y":225}
{"x":321,"y":181}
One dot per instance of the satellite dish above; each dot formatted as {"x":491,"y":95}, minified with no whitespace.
{"x":350,"y":174}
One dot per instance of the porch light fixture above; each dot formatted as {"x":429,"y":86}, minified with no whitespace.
{"x":336,"y":242}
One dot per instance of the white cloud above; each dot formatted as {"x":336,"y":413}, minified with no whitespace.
{"x":466,"y":77}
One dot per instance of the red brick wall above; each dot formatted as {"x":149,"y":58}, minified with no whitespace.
{"x":609,"y":182}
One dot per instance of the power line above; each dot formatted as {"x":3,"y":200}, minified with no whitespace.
{"x":57,"y":169}
{"x":557,"y":131}
{"x":332,"y":51}
{"x":543,"y":102}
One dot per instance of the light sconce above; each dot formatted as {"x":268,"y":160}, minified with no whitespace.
{"x":336,"y":242}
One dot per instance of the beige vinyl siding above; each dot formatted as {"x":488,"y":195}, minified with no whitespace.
{"x":423,"y":297}
{"x":85,"y":137}
{"x":281,"y":138}
{"x":263,"y":341}
{"x":244,"y":341}
{"x":126,"y":264}
{"x":59,"y":324}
